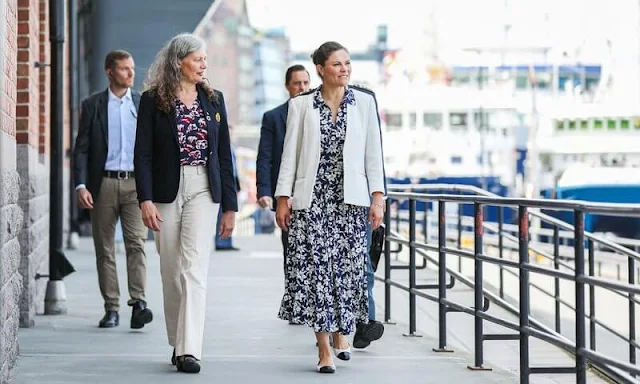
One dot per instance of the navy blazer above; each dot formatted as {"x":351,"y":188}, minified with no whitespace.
{"x":272,"y":132}
{"x":157,"y":152}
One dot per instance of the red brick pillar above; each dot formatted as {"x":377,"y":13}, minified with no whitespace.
{"x":27,"y":108}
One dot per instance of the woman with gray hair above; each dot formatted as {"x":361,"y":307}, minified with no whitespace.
{"x":184,"y":175}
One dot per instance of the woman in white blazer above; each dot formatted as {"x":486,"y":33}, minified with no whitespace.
{"x":331,"y":172}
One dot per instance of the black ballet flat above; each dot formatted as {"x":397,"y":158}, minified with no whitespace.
{"x":187,"y":364}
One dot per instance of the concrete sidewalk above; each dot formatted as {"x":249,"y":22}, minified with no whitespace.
{"x":244,"y":343}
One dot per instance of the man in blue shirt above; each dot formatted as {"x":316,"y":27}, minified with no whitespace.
{"x":105,"y":185}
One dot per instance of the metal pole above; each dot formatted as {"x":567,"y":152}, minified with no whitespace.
{"x":478,"y":286}
{"x":72,"y":241}
{"x":459,"y":239}
{"x":387,"y":262}
{"x":581,"y":361}
{"x":425,"y":223}
{"x":592,"y":298}
{"x":632,"y":314}
{"x":55,"y":301}
{"x":523,"y":251}
{"x":412,"y":267}
{"x":556,"y":284}
{"x":501,"y":248}
{"x":442,"y":278}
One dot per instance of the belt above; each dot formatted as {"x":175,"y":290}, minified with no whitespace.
{"x":118,"y":174}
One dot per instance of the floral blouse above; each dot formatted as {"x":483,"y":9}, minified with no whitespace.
{"x":192,"y":133}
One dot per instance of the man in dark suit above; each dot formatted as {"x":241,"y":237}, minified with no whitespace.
{"x":105,"y":185}
{"x":274,"y":125}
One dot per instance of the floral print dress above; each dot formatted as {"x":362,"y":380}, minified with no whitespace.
{"x":325,"y":283}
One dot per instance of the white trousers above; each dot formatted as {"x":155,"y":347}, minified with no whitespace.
{"x":184,"y":243}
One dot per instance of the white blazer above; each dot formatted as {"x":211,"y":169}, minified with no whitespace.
{"x":362,"y":152}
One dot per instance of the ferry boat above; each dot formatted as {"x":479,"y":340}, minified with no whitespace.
{"x":489,"y":138}
{"x":594,"y":157}
{"x":454,"y":135}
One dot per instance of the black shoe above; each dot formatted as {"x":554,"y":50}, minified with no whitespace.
{"x":187,"y":364}
{"x":326,"y":368}
{"x":173,"y":357}
{"x":140,"y":315}
{"x":111,"y":319}
{"x":366,"y":333}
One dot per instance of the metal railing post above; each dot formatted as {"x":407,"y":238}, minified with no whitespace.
{"x":387,"y":262}
{"x":501,"y":250}
{"x":556,"y":280}
{"x":632,"y":313}
{"x":459,"y":236}
{"x":578,"y":242}
{"x":412,"y":268}
{"x":523,"y":253}
{"x":442,"y":278}
{"x":478,"y":222}
{"x":425,"y":223}
{"x":592,"y":298}
{"x":398,"y":211}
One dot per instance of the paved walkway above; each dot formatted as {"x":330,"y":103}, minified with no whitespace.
{"x":244,"y":343}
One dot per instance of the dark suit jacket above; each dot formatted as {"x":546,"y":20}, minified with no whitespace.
{"x":90,"y":152}
{"x":157,"y":152}
{"x":272,"y":132}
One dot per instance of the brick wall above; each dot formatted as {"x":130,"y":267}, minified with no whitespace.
{"x":28,"y":89}
{"x":33,"y":168}
{"x":10,"y":212}
{"x":45,"y":78}
{"x":25,"y":96}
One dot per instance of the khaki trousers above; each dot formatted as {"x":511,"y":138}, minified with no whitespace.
{"x":185,"y":243}
{"x":118,"y":199}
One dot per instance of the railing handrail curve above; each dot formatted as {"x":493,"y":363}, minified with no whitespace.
{"x":514,"y":202}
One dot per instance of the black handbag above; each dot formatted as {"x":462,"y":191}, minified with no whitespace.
{"x":377,"y":246}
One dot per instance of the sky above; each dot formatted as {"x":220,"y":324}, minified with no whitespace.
{"x":460,"y":23}
{"x":309,"y":23}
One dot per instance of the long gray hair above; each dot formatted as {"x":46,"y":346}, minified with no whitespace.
{"x":164,"y":74}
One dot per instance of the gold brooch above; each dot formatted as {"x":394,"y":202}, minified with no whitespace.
{"x":217,"y":117}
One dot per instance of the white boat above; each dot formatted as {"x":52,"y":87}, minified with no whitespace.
{"x":434,"y":131}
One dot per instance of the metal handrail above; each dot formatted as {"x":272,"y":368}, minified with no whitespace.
{"x":469,"y":283}
{"x":494,"y":199}
{"x":510,"y":237}
{"x":527,"y":327}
